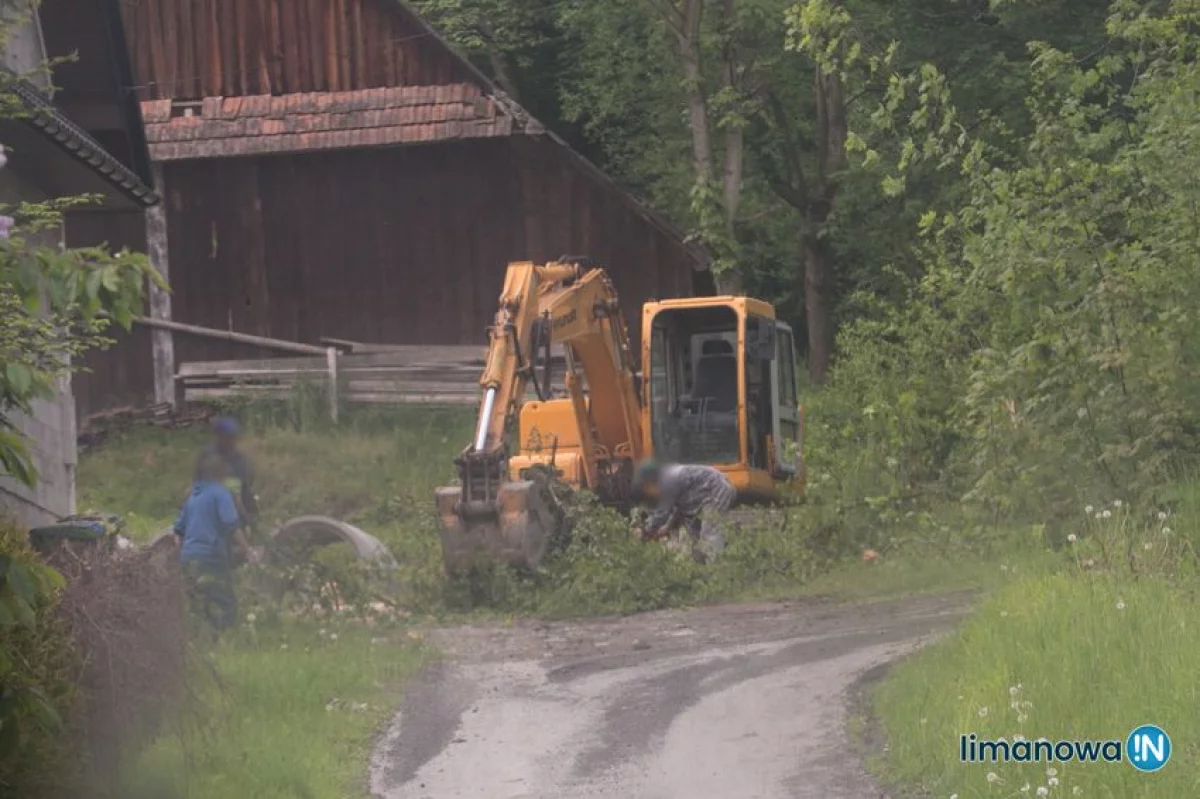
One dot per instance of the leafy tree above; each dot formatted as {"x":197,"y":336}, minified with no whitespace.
{"x":1055,"y":309}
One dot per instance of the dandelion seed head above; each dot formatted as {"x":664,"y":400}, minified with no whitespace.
{"x":1120,"y":604}
{"x":993,"y":777}
{"x":1089,"y":509}
{"x":1043,"y":790}
{"x":1117,"y":503}
{"x":1072,"y":538}
{"x":1162,"y":515}
{"x":1107,"y":514}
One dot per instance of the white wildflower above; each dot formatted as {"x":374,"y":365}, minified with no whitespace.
{"x":1107,"y":514}
{"x":1162,"y":515}
{"x":1026,"y":788}
{"x":1117,"y":503}
{"x":983,"y":711}
{"x":1051,"y":772}
{"x":1166,"y":531}
{"x":1076,"y":791}
{"x":1120,"y":604}
{"x":1088,"y":510}
{"x":250,"y":617}
{"x":993,"y":777}
{"x":1043,"y":790}
{"x":1147,"y":546}
{"x":1013,"y":690}
{"x":1072,"y":538}
{"x":333,"y":636}
{"x":1099,"y":515}
{"x":1052,"y":782}
{"x":1018,"y":738}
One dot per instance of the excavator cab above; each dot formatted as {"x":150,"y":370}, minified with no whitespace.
{"x":720,"y":389}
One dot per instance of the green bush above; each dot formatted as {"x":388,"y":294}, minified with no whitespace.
{"x":37,"y":667}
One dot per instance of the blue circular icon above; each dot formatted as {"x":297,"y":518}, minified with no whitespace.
{"x":1148,"y":748}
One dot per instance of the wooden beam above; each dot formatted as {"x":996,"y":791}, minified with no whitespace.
{"x":331,"y":358}
{"x":161,"y":324}
{"x":162,"y":343}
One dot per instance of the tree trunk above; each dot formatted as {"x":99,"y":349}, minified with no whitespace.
{"x":818,"y":261}
{"x":818,"y":304}
{"x":688,"y":36}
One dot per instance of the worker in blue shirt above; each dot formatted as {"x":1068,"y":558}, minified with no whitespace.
{"x":208,"y":528}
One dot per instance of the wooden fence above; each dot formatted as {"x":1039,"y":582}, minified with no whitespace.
{"x":424,"y":375}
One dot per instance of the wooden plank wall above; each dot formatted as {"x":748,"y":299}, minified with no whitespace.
{"x":399,"y":246}
{"x":188,"y":49}
{"x":122,"y":375}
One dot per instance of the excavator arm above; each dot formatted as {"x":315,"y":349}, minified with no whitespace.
{"x":578,"y":309}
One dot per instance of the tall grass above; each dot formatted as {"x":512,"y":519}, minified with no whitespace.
{"x":291,"y":716}
{"x":1091,"y":652}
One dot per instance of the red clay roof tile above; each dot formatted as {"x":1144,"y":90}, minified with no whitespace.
{"x":221,"y":127}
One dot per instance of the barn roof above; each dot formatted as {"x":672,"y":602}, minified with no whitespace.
{"x":234,"y":126}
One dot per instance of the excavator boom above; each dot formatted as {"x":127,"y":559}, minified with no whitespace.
{"x":491,"y":514}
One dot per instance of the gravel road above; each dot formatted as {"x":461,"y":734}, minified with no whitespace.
{"x":738,"y":702}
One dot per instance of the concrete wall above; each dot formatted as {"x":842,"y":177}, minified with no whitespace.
{"x":50,"y":428}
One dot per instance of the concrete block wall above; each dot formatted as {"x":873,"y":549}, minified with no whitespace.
{"x":50,"y":431}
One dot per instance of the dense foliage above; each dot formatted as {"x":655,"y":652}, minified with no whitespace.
{"x":989,"y":202}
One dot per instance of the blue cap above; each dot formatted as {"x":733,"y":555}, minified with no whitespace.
{"x":226,"y":426}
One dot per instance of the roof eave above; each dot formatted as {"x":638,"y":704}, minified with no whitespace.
{"x":76,"y":143}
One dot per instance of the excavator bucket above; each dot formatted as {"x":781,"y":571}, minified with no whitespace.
{"x":516,"y":529}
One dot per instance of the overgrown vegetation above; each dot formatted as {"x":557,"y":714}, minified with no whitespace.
{"x":378,"y":471}
{"x":37,"y":664}
{"x":292,"y":712}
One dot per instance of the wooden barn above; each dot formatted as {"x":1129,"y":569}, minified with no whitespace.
{"x":332,"y":168}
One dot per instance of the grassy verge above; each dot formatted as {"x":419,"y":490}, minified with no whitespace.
{"x":1090,"y":652}
{"x":928,"y":572}
{"x":287,"y":713}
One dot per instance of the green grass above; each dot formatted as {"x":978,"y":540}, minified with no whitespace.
{"x":1089,"y":650}
{"x":918,"y":573}
{"x":373,"y":462}
{"x":282,"y":723}
{"x":1093,"y":657}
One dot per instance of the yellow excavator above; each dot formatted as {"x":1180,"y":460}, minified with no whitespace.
{"x":716,"y":385}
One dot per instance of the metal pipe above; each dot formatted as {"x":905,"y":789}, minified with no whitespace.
{"x":485,"y":415}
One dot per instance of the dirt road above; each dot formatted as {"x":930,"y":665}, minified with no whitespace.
{"x":741,"y":702}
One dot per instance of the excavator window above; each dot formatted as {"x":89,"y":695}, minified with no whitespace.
{"x":694,"y":385}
